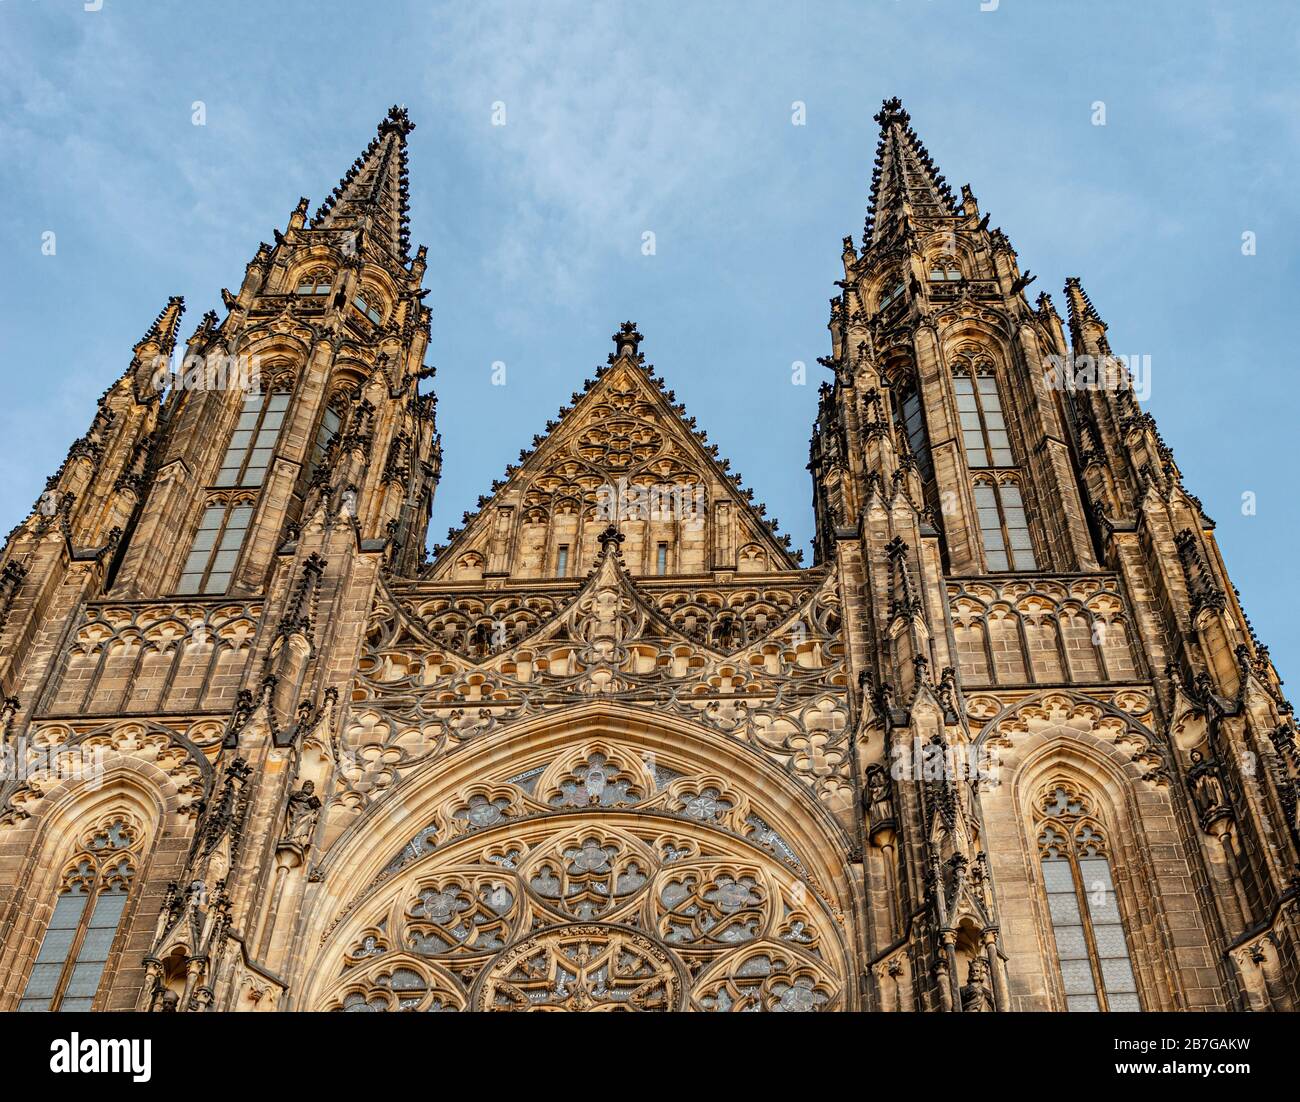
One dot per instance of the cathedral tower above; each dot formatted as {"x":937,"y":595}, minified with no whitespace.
{"x":1008,"y":743}
{"x":1064,"y":702}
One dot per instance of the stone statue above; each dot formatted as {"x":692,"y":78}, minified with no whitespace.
{"x":880,"y":803}
{"x":977,"y":995}
{"x":301,"y":814}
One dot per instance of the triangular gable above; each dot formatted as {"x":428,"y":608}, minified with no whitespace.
{"x":625,"y":454}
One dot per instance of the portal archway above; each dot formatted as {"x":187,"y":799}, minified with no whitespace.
{"x":607,"y":868}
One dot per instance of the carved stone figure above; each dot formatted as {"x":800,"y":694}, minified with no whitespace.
{"x":977,"y":995}
{"x":301,"y":813}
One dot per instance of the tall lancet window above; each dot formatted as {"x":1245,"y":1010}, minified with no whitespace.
{"x":911,"y":422}
{"x":86,"y":916}
{"x":215,"y":549}
{"x":983,"y":431}
{"x":1004,"y":527}
{"x":1091,"y":947}
{"x":326,"y":431}
{"x":1003,"y":519}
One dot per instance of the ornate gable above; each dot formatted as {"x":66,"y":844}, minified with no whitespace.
{"x":622,"y":454}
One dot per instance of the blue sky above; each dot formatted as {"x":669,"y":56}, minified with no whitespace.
{"x":674,"y":119}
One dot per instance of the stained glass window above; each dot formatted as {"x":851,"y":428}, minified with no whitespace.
{"x":1091,"y":947}
{"x":75,"y":948}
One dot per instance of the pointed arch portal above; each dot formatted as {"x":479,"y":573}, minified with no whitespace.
{"x":601,"y":861}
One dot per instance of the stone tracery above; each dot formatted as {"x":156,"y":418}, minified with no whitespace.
{"x":604,"y":877}
{"x":777,"y":690}
{"x":633,"y":916}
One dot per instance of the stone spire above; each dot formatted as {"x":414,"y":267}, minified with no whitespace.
{"x":905,"y":180}
{"x":373,"y":196}
{"x":165,"y":327}
{"x":1086,"y":327}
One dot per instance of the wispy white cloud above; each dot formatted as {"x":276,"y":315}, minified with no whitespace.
{"x":607,"y":131}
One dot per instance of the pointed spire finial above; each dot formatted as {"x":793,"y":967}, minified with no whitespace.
{"x":397,"y":120}
{"x":373,"y":196}
{"x":904,"y":179}
{"x":1079,"y":302}
{"x":627,"y":340}
{"x":611,"y":539}
{"x":151,"y":362}
{"x":298,"y":217}
{"x":892,"y":111}
{"x":1079,"y":306}
{"x":1081,"y":312}
{"x":165,"y":326}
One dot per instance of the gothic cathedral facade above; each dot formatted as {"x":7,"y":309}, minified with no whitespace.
{"x":1008,"y":743}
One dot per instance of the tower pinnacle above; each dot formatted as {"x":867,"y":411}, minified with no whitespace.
{"x":165,"y":327}
{"x":373,"y":196}
{"x":627,"y":340}
{"x":1081,"y":313}
{"x":905,"y":179}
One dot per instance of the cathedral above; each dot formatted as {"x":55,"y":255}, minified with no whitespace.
{"x":1008,"y":741}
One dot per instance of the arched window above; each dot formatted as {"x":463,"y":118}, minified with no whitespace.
{"x":1004,"y":528}
{"x":890,"y":295}
{"x":983,"y":431}
{"x":945,"y":267}
{"x":251,"y":444}
{"x":86,"y":915}
{"x":1091,"y":947}
{"x":316,"y":282}
{"x":366,"y":302}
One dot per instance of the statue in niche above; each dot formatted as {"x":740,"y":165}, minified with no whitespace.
{"x":977,"y":995}
{"x":301,"y":814}
{"x":879,"y":798}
